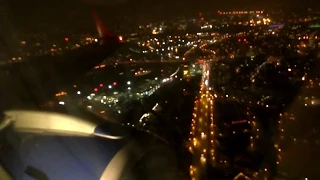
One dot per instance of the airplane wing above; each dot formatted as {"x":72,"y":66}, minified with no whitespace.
{"x":42,"y":77}
{"x":103,"y":31}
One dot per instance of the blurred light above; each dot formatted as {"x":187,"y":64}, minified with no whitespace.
{"x":101,"y":85}
{"x":66,"y":39}
{"x":95,"y":89}
{"x":206,"y":82}
{"x":78,"y":92}
{"x":114,"y":83}
{"x":61,"y":94}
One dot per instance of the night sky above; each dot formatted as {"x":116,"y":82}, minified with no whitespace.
{"x":37,"y":14}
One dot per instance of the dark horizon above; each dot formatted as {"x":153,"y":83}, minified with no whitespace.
{"x":76,"y":13}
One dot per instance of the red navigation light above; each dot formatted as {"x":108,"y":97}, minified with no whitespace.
{"x":101,"y":85}
{"x":239,"y":40}
{"x":95,"y":89}
{"x":114,"y":83}
{"x":245,"y":40}
{"x":66,"y":39}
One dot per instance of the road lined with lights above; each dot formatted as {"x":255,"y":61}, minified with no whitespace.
{"x":202,"y":134}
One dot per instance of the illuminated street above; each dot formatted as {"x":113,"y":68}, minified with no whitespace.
{"x":201,"y":141}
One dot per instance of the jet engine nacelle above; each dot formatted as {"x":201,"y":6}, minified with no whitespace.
{"x":46,"y":145}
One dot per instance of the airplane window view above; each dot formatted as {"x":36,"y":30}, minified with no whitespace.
{"x":159,"y":90}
